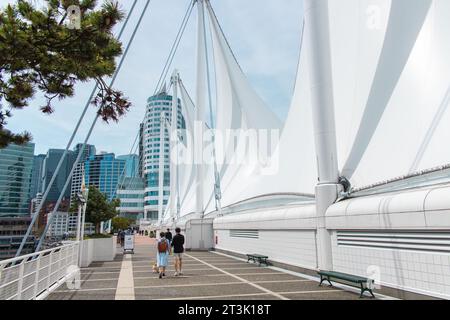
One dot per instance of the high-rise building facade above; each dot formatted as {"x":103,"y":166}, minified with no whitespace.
{"x":104,"y":171}
{"x":157,"y":106}
{"x":131,"y":165}
{"x":16,"y":165}
{"x":12,"y":231}
{"x":130,"y":192}
{"x":49,"y":167}
{"x":37,"y":175}
{"x":77,"y":177}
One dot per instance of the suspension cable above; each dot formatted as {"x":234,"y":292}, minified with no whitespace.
{"x":174,"y":47}
{"x":75,"y":131}
{"x":116,"y":73}
{"x":162,"y":78}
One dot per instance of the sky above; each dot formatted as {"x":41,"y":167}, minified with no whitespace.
{"x":264,"y":35}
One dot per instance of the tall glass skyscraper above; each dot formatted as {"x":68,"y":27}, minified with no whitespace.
{"x":16,"y":164}
{"x":160,"y":104}
{"x":104,"y":171}
{"x":132,"y":165}
{"x":77,"y":178}
{"x":50,"y":163}
{"x":37,"y":175}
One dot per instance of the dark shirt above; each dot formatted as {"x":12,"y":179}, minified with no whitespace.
{"x":168,"y":235}
{"x":177,"y":243}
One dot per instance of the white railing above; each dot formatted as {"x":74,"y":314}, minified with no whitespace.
{"x":34,"y":276}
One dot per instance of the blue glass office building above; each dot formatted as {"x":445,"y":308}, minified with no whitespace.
{"x":16,"y":164}
{"x":131,"y":166}
{"x":37,"y":175}
{"x":104,"y":172}
{"x":49,"y":167}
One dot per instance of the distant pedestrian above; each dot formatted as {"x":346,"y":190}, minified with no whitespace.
{"x":163,"y":254}
{"x":169,"y":237}
{"x":178,"y":249}
{"x":122,"y":238}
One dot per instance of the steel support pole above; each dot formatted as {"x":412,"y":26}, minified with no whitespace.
{"x":174,"y":149}
{"x":83,"y":221}
{"x":79,"y":221}
{"x":318,"y":38}
{"x":217,"y":184}
{"x":200,"y":108}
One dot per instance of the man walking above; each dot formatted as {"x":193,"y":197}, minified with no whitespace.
{"x":178,"y":249}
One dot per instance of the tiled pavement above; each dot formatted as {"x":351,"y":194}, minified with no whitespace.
{"x":206,"y":275}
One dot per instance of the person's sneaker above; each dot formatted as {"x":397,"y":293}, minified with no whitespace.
{"x":180,"y":273}
{"x":164,"y":274}
{"x":160,"y":275}
{"x":176,"y":274}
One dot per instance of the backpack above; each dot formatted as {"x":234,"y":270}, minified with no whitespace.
{"x":162,"y":246}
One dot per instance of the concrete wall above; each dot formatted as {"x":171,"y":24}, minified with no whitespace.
{"x":98,"y":250}
{"x":287,"y":235}
{"x":294,"y":247}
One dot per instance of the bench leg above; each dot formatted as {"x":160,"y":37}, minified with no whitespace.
{"x":322,"y":279}
{"x":363,"y":289}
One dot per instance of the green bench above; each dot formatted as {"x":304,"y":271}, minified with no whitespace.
{"x":257,"y":258}
{"x":365,"y":284}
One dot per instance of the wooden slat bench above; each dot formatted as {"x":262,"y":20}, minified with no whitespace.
{"x":365,"y":284}
{"x":260,"y":259}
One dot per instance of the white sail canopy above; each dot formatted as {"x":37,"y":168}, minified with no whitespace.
{"x":391,"y":84}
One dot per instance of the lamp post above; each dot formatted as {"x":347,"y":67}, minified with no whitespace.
{"x":83,"y":220}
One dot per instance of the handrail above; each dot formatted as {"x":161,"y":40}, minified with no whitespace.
{"x":38,"y":253}
{"x":36,"y":275}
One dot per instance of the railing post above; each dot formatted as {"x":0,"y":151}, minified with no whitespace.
{"x":36,"y":277}
{"x":20,"y":284}
{"x":49,"y":270}
{"x":59,"y":262}
{"x":75,"y":253}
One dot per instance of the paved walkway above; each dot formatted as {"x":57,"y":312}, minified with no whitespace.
{"x":207,"y":275}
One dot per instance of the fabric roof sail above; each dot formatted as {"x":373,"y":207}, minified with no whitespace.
{"x":238,"y":111}
{"x":391,"y":83}
{"x":391,"y":78}
{"x":239,"y":107}
{"x":294,"y":163}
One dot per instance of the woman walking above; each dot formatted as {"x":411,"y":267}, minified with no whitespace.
{"x":163,"y":254}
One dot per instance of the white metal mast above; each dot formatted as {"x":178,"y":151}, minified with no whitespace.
{"x":217,"y":186}
{"x":174,"y":149}
{"x":201,"y":107}
{"x":317,"y":33}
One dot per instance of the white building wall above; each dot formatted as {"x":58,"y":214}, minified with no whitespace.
{"x":294,"y":247}
{"x":420,"y":272}
{"x":405,"y":235}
